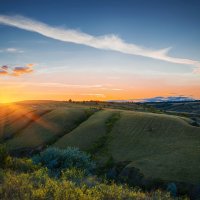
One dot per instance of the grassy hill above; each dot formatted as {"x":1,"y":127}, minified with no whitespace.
{"x":87,"y":133}
{"x":47,"y":128}
{"x":188,"y":109}
{"x":179,"y":107}
{"x":13,"y":119}
{"x":160,"y":146}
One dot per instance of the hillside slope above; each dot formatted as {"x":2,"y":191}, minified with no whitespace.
{"x":85,"y":135}
{"x":47,"y":128}
{"x":160,"y":146}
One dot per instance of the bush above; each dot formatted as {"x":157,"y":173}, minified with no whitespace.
{"x":74,"y":175}
{"x":1,"y":175}
{"x":38,"y":185}
{"x":3,"y":155}
{"x":172,"y":189}
{"x":58,"y":159}
{"x":20,"y":164}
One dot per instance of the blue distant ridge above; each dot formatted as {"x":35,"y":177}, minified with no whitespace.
{"x":158,"y":99}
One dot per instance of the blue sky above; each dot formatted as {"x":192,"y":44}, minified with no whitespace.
{"x":152,"y":25}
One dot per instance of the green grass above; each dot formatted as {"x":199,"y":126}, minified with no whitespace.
{"x":161,"y":146}
{"x":15,"y":126}
{"x":12,"y":119}
{"x":100,"y":146}
{"x":47,"y":128}
{"x":89,"y":132}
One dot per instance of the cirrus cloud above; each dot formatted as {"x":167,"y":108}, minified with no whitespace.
{"x":11,"y":50}
{"x":106,"y":42}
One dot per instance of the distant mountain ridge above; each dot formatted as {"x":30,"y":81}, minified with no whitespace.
{"x":158,"y":99}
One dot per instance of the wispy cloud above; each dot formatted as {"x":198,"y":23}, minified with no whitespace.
{"x":196,"y":70}
{"x":62,"y":85}
{"x":91,"y":87}
{"x":11,"y":50}
{"x":16,"y":71}
{"x":106,"y":42}
{"x":93,"y":94}
{"x":3,"y":72}
{"x":111,"y":89}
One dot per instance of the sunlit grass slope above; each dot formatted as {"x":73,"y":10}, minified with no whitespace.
{"x":47,"y":128}
{"x":13,"y":119}
{"x":9,"y":129}
{"x":89,"y":132}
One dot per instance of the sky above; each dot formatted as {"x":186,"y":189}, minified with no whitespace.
{"x":99,"y":50}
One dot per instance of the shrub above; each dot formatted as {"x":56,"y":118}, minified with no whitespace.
{"x":58,"y":159}
{"x":38,"y":185}
{"x":172,"y":189}
{"x":20,"y":164}
{"x":74,"y":175}
{"x":3,"y":155}
{"x":1,"y":175}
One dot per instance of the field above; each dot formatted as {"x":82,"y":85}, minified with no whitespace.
{"x":24,"y":129}
{"x":181,"y":107}
{"x":159,"y":146}
{"x":87,"y":133}
{"x":189,"y":109}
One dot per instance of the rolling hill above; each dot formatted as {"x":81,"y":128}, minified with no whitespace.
{"x":159,"y":146}
{"x":47,"y":128}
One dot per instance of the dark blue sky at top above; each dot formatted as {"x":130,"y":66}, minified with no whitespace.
{"x":153,"y":24}
{"x":140,"y":21}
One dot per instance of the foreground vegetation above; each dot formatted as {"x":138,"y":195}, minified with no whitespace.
{"x":130,"y":144}
{"x":21,"y":178}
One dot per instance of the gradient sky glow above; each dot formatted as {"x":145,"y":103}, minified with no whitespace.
{"x":99,"y":50}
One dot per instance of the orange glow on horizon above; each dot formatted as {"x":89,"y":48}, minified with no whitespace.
{"x":97,"y":94}
{"x":123,"y":89}
{"x":30,"y":114}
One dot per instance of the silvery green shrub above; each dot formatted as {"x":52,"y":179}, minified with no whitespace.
{"x":56,"y":159}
